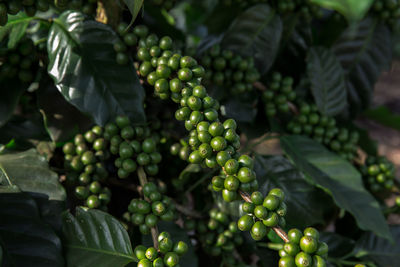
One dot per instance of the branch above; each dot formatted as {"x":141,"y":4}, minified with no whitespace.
{"x":154,"y":230}
{"x":191,"y":213}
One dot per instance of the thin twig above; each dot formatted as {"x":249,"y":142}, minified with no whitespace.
{"x":260,"y":86}
{"x":154,"y":230}
{"x":188,"y":212}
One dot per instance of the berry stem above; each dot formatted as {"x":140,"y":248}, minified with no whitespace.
{"x":154,"y":230}
{"x":270,"y":245}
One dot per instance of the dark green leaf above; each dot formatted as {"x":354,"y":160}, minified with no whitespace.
{"x":95,"y":238}
{"x":306,"y":204}
{"x":83,"y":66}
{"x":364,"y":52}
{"x":339,"y":246}
{"x":177,"y":234}
{"x":134,"y":7}
{"x":351,"y":9}
{"x":327,"y":81}
{"x":30,"y":172}
{"x":384,"y":116}
{"x":338,"y":177}
{"x":255,"y":33}
{"x":381,"y":251}
{"x":239,"y":109}
{"x":9,"y":97}
{"x":62,"y":120}
{"x":26,"y":239}
{"x":15,"y":28}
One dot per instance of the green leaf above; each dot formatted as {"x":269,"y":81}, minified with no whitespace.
{"x":306,"y":204}
{"x":255,"y":33}
{"x":384,"y":116}
{"x":9,"y":98}
{"x":240,"y":109}
{"x":339,"y":246}
{"x":62,"y":120}
{"x":95,"y":238}
{"x":134,"y":7}
{"x":338,"y":177}
{"x":327,"y":81}
{"x":364,"y":52}
{"x":25,"y":238}
{"x":16,"y":27}
{"x":30,"y":172}
{"x":83,"y":66}
{"x":381,"y":251}
{"x":351,"y":9}
{"x":177,"y":234}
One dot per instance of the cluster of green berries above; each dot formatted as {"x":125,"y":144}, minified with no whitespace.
{"x":303,"y":249}
{"x":387,"y":11}
{"x":12,"y":7}
{"x":88,"y":7}
{"x":378,"y":173}
{"x":85,"y":159}
{"x":165,"y":4}
{"x":132,"y":147}
{"x":305,"y":8}
{"x":218,"y":235}
{"x":279,"y":92}
{"x":146,"y":213}
{"x":128,"y":42}
{"x":244,"y":3}
{"x":181,"y":149}
{"x":263,"y":213}
{"x":323,"y":129}
{"x":168,"y":253}
{"x":237,"y":174}
{"x":224,"y":68}
{"x":21,"y":62}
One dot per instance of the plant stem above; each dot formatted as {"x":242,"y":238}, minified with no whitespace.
{"x":270,"y":245}
{"x":188,"y":212}
{"x":143,"y":180}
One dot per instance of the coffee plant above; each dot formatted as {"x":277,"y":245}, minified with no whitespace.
{"x":195,"y":133}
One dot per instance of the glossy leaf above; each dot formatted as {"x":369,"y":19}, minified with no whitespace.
{"x":351,"y":9}
{"x":62,"y":120}
{"x":30,"y":172}
{"x":83,"y":66}
{"x":379,"y":250}
{"x":306,"y":204}
{"x":364,"y":53}
{"x":134,"y":7}
{"x":255,"y":33}
{"x":26,"y":239}
{"x":95,"y":238}
{"x":339,"y":178}
{"x":327,"y":81}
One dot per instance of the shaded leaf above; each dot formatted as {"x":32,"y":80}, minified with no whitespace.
{"x":306,"y":204}
{"x":339,"y":246}
{"x":134,"y":7}
{"x":83,"y":66}
{"x":255,"y":33}
{"x":364,"y":53}
{"x":239,"y":109}
{"x":351,"y":9}
{"x":26,"y":239}
{"x":30,"y":172}
{"x":62,"y":120}
{"x":10,"y":94}
{"x":95,"y":238}
{"x":15,"y":28}
{"x":381,"y":251}
{"x":327,"y":81}
{"x":384,"y":116}
{"x":338,"y":177}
